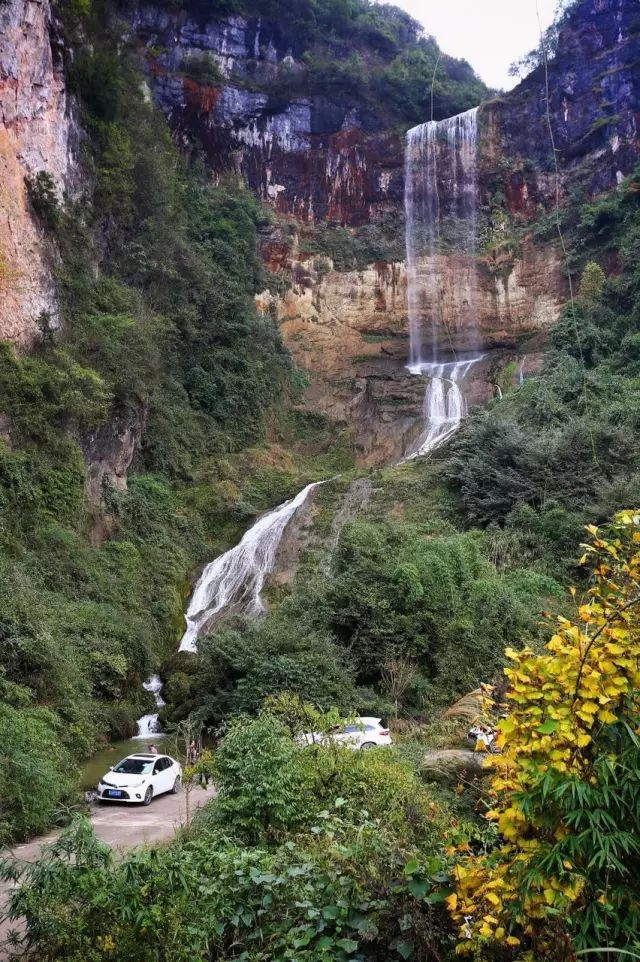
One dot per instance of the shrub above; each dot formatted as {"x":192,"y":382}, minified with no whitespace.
{"x":565,"y":785}
{"x":43,"y":195}
{"x":259,"y":779}
{"x":34,"y":770}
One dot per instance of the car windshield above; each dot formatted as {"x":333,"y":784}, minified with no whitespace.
{"x":133,"y":766}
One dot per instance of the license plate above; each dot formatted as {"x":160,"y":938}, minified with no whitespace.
{"x":113,"y":794}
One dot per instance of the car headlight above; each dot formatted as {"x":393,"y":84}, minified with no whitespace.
{"x":138,"y":784}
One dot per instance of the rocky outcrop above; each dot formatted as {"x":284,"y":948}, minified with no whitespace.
{"x":487,"y":303}
{"x":348,"y":331}
{"x":314,"y":157}
{"x":109,"y":453}
{"x":37,"y":133}
{"x":594,"y":110}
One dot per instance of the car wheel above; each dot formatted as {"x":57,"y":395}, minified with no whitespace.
{"x":148,"y":796}
{"x":367,"y":746}
{"x":176,"y":786}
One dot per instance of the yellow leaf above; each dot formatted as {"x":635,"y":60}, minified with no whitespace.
{"x":452,"y":902}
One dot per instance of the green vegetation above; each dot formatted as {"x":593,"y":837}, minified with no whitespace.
{"x":557,"y":452}
{"x":309,"y":853}
{"x":161,"y":344}
{"x":411,"y":591}
{"x":356,"y":248}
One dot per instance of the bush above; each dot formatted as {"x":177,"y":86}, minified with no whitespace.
{"x":34,"y":770}
{"x":259,"y":779}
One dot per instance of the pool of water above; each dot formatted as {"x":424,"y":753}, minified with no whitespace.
{"x":96,"y":766}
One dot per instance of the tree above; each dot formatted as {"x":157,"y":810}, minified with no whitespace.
{"x":592,"y":283}
{"x":565,"y":786}
{"x":34,"y":768}
{"x":398,"y":674}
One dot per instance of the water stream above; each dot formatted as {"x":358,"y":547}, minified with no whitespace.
{"x":237,"y":577}
{"x":441,"y":203}
{"x":444,"y":403}
{"x":148,"y":725}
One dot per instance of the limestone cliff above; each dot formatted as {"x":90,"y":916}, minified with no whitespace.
{"x":37,"y":133}
{"x":325,"y":158}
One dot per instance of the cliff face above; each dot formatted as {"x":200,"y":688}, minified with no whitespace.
{"x":230,"y":88}
{"x":37,"y":133}
{"x":321,"y":158}
{"x":314,"y":159}
{"x":594,"y":101}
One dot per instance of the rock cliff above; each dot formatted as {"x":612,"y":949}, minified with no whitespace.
{"x":323,"y":158}
{"x":37,"y":133}
{"x":238,"y":91}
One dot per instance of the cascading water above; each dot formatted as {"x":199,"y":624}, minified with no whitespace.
{"x":444,"y":404}
{"x":237,"y":576}
{"x":148,"y":724}
{"x":441,"y":203}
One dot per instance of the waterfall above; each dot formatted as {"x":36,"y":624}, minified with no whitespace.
{"x":441,"y":204}
{"x":148,"y":724}
{"x":444,"y":404}
{"x":237,"y":576}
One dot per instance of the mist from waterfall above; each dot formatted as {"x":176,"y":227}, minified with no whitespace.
{"x":441,"y":205}
{"x":236,"y":578}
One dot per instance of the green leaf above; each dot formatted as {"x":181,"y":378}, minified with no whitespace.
{"x":548,"y":728}
{"x":330,"y":912}
{"x":418,"y":889}
{"x":347,"y":945}
{"x":412,"y":867}
{"x":405,"y":949}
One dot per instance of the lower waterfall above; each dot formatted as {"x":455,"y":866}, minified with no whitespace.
{"x":148,"y":725}
{"x":237,"y":576}
{"x":445,"y":405}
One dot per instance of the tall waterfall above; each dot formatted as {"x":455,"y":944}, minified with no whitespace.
{"x":237,"y":576}
{"x":441,"y":204}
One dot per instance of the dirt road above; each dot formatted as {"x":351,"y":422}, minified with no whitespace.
{"x":122,"y":827}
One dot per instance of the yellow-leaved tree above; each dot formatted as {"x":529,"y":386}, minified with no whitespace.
{"x":565,"y":788}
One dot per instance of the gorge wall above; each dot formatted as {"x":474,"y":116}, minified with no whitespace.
{"x":327,"y":156}
{"x":37,"y":133}
{"x":318,"y":159}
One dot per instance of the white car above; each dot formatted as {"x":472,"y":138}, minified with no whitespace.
{"x":139,"y":778}
{"x":362,"y":733}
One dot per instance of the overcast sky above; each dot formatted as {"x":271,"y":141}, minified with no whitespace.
{"x":490,"y":34}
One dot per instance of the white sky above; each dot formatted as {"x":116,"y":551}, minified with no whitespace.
{"x":490,"y":34}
